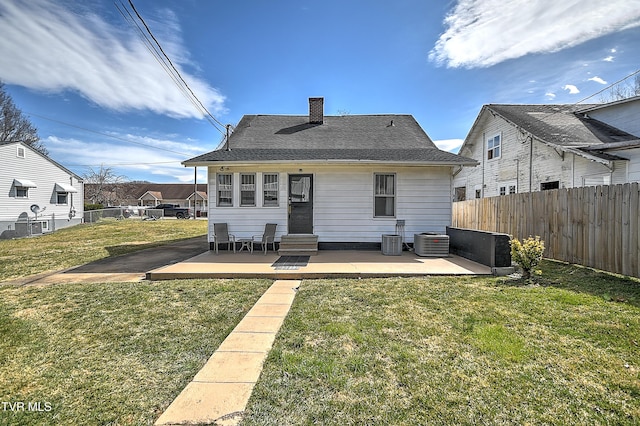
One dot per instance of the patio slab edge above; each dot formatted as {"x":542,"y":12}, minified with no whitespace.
{"x":160,"y":276}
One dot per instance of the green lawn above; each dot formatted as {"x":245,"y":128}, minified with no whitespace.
{"x":81,"y":244}
{"x":563,"y":349}
{"x":457,"y":351}
{"x":113,"y":354}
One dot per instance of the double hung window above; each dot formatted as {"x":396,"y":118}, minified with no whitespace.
{"x":270,"y":189}
{"x":384,"y":195}
{"x":494,"y":145}
{"x":247,"y":189}
{"x":224,"y":189}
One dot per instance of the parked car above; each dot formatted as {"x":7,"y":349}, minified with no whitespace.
{"x":174,"y":210}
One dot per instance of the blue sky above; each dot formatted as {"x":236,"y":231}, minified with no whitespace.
{"x":83,"y":64}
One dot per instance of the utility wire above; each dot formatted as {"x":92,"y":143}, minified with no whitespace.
{"x":106,"y":134}
{"x":609,"y":86}
{"x":128,"y":17}
{"x":591,"y":96}
{"x":173,"y":71}
{"x":123,"y":164}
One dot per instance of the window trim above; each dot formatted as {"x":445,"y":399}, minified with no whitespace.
{"x":392,"y":196}
{"x":506,"y":186}
{"x":491,"y":151}
{"x":549,"y":185}
{"x":242,"y":191}
{"x":22,"y":188}
{"x":265,"y":190}
{"x":218,"y":190}
{"x":21,"y":152}
{"x":66,"y":198}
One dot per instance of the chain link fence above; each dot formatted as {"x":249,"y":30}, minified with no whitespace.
{"x":92,"y":216}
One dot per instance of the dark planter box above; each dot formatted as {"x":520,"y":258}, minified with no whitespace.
{"x":488,"y":248}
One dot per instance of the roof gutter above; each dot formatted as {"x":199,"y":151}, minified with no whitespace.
{"x":339,"y":162}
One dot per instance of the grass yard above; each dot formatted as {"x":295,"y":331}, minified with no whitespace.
{"x":85,"y":243}
{"x":457,"y":351}
{"x":114,"y":354}
{"x":447,"y":350}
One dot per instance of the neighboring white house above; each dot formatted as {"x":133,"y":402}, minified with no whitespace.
{"x":347,"y":179}
{"x":622,"y":114}
{"x":37,"y":195}
{"x":525,"y":148}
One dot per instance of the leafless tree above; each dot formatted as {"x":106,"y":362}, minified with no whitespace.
{"x":15,"y":126}
{"x":622,"y":91}
{"x":104,"y":186}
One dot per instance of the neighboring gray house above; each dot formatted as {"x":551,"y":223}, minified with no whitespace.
{"x":525,"y":148}
{"x":347,"y":179}
{"x":37,"y":195}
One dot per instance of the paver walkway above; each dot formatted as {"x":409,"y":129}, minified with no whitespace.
{"x":220,"y":391}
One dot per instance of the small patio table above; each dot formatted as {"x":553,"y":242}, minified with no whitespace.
{"x":246,"y":243}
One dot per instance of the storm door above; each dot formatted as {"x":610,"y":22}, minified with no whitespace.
{"x":300,"y":204}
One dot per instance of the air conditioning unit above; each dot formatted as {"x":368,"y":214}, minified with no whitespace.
{"x":431,"y":244}
{"x":391,"y":245}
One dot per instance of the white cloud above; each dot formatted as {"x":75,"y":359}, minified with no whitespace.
{"x":597,"y":80}
{"x":451,"y":145}
{"x":550,"y":96}
{"x":573,"y":90}
{"x":46,"y":47}
{"x":608,"y":59}
{"x":130,"y":160}
{"x":482,"y":33}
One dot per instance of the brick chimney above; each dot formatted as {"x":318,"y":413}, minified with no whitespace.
{"x":316,"y":110}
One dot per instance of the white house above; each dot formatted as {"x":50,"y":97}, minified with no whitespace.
{"x":37,"y":195}
{"x":347,"y":179}
{"x":525,"y":148}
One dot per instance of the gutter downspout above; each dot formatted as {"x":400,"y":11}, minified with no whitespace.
{"x":531,"y":165}
{"x":484,"y":149}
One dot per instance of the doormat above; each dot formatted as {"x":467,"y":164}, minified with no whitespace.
{"x":290,"y":262}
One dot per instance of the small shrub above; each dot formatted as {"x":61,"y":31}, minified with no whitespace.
{"x":88,"y":207}
{"x":527,"y":254}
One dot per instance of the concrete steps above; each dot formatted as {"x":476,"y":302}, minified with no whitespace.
{"x":298,"y":245}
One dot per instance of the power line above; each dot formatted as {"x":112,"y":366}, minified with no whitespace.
{"x":155,"y":53}
{"x":156,"y":50}
{"x":609,"y":87}
{"x":106,"y":134}
{"x":591,"y":96}
{"x":123,"y":164}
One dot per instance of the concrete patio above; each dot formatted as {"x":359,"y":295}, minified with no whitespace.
{"x":326,"y":264}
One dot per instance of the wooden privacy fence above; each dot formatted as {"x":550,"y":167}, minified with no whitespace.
{"x":595,"y":226}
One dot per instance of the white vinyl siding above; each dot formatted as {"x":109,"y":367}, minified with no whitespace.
{"x":343,"y":202}
{"x":40,"y":176}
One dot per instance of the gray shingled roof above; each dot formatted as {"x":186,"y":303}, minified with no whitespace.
{"x":564,"y":126}
{"x":169,"y":191}
{"x":286,"y":138}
